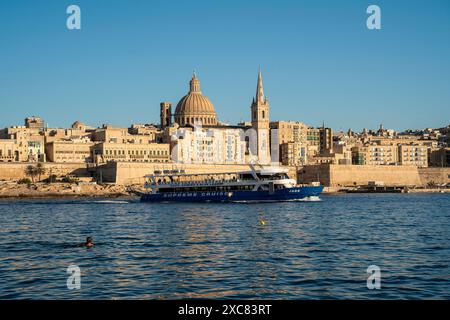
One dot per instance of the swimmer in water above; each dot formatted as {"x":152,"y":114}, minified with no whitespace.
{"x":88,"y":244}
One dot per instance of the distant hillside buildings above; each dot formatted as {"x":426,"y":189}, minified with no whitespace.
{"x":194,"y":134}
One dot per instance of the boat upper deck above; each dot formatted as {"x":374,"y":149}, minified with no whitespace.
{"x":262,"y":171}
{"x":179,"y":174}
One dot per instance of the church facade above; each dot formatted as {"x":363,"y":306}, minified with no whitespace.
{"x":197,"y":136}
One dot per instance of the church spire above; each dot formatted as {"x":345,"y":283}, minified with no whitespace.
{"x":259,"y":88}
{"x":260,"y":122}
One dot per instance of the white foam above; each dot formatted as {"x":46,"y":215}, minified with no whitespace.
{"x":112,"y":201}
{"x":310,"y":199}
{"x":306,"y":199}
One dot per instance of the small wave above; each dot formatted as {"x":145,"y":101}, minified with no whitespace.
{"x":111,"y":201}
{"x":310,"y":199}
{"x":307,"y":199}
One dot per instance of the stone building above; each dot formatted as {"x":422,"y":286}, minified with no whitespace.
{"x":292,"y":138}
{"x":325,"y":140}
{"x":29,"y":143}
{"x":313,"y":137}
{"x":78,"y":130}
{"x":293,"y":154}
{"x":439,"y":157}
{"x":375,"y":155}
{"x":35,"y":123}
{"x":213,"y":145}
{"x":359,"y":155}
{"x":131,"y":152}
{"x":8,"y":150}
{"x":382,"y":155}
{"x":143,"y":134}
{"x":165,"y":114}
{"x":72,"y":151}
{"x":302,"y":144}
{"x":390,"y":154}
{"x":289,"y":131}
{"x":413,"y":154}
{"x":150,"y":133}
{"x":92,"y":152}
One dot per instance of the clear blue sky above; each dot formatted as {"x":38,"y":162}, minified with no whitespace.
{"x":319,"y":61}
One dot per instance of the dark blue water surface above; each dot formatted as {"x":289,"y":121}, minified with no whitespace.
{"x":306,"y":250}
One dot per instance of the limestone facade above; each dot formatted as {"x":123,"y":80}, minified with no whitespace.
{"x":131,"y":152}
{"x":29,"y":143}
{"x":413,"y":155}
{"x":8,"y":150}
{"x":439,"y":157}
{"x":301,"y":144}
{"x":70,"y":151}
{"x":213,"y":145}
{"x":293,"y":154}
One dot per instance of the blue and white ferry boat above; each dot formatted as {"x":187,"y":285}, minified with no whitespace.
{"x":264,"y":184}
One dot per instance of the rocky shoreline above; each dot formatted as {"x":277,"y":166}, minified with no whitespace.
{"x":59,"y":190}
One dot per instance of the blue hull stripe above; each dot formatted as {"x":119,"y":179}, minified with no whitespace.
{"x":288,"y":194}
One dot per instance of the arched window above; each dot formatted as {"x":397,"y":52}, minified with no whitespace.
{"x":263,"y":114}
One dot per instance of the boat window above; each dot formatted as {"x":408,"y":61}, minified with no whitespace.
{"x":278,"y":176}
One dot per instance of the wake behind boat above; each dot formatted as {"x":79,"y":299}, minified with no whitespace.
{"x":264,"y":184}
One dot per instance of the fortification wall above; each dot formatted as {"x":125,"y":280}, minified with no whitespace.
{"x":16,"y":170}
{"x":434,"y":175}
{"x":347,"y":175}
{"x":328,"y":175}
{"x":312,"y":173}
{"x":357,"y":175}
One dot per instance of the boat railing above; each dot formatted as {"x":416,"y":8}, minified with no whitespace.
{"x":195,"y":183}
{"x":204,"y":183}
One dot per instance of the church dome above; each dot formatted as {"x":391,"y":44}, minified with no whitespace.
{"x":195,"y":107}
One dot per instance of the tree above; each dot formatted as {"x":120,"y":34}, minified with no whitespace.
{"x":31,"y":172}
{"x":40,"y":170}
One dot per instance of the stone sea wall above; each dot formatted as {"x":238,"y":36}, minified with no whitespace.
{"x":329,"y":175}
{"x":357,"y":175}
{"x":434,"y":175}
{"x":16,"y":170}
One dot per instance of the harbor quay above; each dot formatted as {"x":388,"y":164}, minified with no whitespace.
{"x":334,"y":177}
